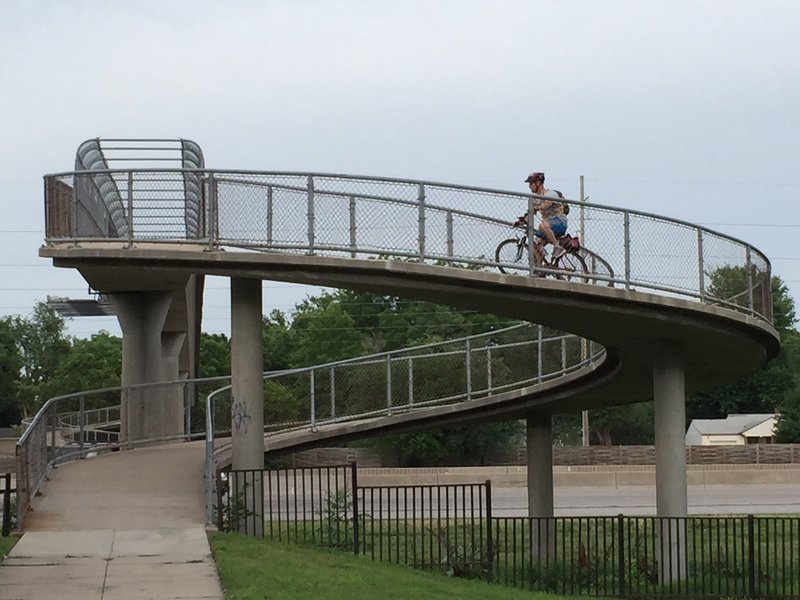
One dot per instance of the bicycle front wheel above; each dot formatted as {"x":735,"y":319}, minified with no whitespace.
{"x":510,"y":251}
{"x":572,"y":267}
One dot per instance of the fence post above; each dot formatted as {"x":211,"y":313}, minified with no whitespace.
{"x":621,"y":554}
{"x":354,"y":479}
{"x":421,"y":218}
{"x":313,"y":395}
{"x":6,"y":504}
{"x":449,"y":223}
{"x":750,"y":281}
{"x":627,"y":238}
{"x":389,"y":384}
{"x":700,"y":273}
{"x":270,"y":216}
{"x":489,"y":542}
{"x":468,"y":367}
{"x":751,"y":557}
{"x":130,"y":209}
{"x":531,"y":238}
{"x":213,"y":215}
{"x":81,"y":423}
{"x":311,"y":215}
{"x":352,"y":211}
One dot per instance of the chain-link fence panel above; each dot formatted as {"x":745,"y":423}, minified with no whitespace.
{"x":333,"y":215}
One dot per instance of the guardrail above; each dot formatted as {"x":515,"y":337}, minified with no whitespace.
{"x":340,"y":215}
{"x":380,"y":384}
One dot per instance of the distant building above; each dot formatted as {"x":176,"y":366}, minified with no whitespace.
{"x":733,"y":430}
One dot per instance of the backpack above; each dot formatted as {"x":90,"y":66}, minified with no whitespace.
{"x":564,"y":206}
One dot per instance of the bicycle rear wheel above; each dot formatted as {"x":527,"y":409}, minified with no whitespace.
{"x":510,"y":251}
{"x":572,"y":267}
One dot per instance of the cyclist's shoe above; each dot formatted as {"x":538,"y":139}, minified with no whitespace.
{"x":558,"y":253}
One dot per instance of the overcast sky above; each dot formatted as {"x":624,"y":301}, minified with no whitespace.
{"x":688,"y":109}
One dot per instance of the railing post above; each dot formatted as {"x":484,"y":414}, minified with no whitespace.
{"x":627,"y":241}
{"x":701,"y":276}
{"x":563,"y":355}
{"x":449,"y":234}
{"x":751,"y":557}
{"x":411,"y":381}
{"x":7,"y":504}
{"x":749,"y":281}
{"x":489,"y":369}
{"x":270,"y":215}
{"x":81,"y":422}
{"x":130,"y":208}
{"x":468,"y":367}
{"x":531,"y":239}
{"x":313,"y":395}
{"x":310,"y":214}
{"x":621,"y":554}
{"x":354,"y":485}
{"x":539,"y":357}
{"x":421,"y":219}
{"x":489,"y":540}
{"x":352,"y":210}
{"x":388,"y":384}
{"x":333,"y":394}
{"x":213,"y":213}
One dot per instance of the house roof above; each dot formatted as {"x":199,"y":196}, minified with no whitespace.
{"x":732,"y":424}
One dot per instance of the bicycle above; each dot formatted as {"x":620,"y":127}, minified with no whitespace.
{"x":570,"y":265}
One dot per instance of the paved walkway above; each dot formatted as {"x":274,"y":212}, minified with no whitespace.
{"x":127,"y":525}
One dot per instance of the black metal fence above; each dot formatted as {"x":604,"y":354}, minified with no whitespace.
{"x":8,"y":519}
{"x":451,"y":528}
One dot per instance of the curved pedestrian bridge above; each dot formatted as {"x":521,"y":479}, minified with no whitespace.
{"x":663,"y":300}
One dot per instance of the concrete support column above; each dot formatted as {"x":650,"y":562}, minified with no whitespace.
{"x":539,"y":448}
{"x":669,"y":398}
{"x":173,"y":396}
{"x":247,"y":408}
{"x":141,"y":317}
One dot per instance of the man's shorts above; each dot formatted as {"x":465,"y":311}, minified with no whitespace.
{"x":557,"y":224}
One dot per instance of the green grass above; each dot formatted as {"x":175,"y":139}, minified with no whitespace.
{"x":253,"y":569}
{"x":6,"y":543}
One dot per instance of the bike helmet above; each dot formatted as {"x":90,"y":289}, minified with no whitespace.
{"x":535,"y":176}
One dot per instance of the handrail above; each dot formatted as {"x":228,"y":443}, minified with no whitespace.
{"x":337,"y":214}
{"x":489,"y":364}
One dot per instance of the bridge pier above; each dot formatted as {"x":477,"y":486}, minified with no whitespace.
{"x":141,"y":317}
{"x":669,"y":398}
{"x":247,"y":407}
{"x":539,"y":449}
{"x":173,"y":404}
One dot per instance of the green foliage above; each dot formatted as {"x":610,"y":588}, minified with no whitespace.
{"x":215,"y":355}
{"x":89,"y":364}
{"x":280,"y":404}
{"x":10,"y":365}
{"x":42,"y":344}
{"x":628,"y":424}
{"x":773,"y":387}
{"x":449,"y":446}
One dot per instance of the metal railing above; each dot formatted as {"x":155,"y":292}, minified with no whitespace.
{"x":346,"y":216}
{"x":8,"y":518}
{"x":74,"y":425}
{"x":400,"y":381}
{"x":452,"y":528}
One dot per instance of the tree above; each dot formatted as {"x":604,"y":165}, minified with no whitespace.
{"x":43,"y":345}
{"x":215,"y":355}
{"x":765,"y":390}
{"x":88,"y":364}
{"x":10,"y":365}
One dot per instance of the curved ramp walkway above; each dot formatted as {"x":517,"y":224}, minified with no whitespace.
{"x":115,"y":527}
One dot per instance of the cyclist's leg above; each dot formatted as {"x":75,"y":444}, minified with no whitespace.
{"x":547,"y":230}
{"x":538,"y":247}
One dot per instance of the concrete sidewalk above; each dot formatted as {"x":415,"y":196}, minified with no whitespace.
{"x":128,"y":525}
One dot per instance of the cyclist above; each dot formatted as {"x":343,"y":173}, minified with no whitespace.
{"x":554,"y":221}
